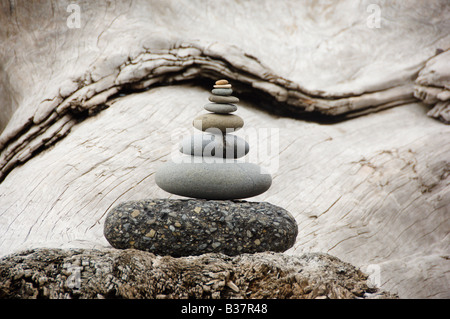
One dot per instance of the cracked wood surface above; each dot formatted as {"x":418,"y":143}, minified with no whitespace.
{"x":433,"y":86}
{"x":372,"y":190}
{"x":368,"y":190}
{"x":323,"y":57}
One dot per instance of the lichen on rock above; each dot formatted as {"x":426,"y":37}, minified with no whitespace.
{"x":130,"y":273}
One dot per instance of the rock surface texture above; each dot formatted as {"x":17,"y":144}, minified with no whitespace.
{"x":88,"y":113}
{"x":90,"y":273}
{"x":194,"y":227}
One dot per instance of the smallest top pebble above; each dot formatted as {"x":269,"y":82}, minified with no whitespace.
{"x":221,"y":82}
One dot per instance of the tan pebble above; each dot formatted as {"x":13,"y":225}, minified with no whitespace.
{"x":221,"y":82}
{"x":135,"y":213}
{"x":223,"y":86}
{"x":197,"y":209}
{"x":233,"y":286}
{"x":257,"y":242}
{"x":224,"y":122}
{"x":151,"y":233}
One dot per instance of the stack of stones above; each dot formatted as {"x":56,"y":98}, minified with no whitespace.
{"x":209,"y":168}
{"x":218,"y":123}
{"x":210,"y":173}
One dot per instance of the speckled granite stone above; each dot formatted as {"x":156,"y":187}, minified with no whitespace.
{"x":194,"y":226}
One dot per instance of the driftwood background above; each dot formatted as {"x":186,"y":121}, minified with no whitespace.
{"x":95,"y":96}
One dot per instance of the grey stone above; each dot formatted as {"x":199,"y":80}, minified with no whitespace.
{"x":213,"y":178}
{"x":223,"y":99}
{"x":222,"y":92}
{"x":223,"y":122}
{"x":232,"y":221}
{"x":221,"y":108}
{"x":212,"y":145}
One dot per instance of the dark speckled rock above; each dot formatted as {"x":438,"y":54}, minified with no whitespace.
{"x":194,"y":226}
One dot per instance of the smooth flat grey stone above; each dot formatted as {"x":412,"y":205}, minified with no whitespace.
{"x":221,"y":108}
{"x":223,"y":99}
{"x":213,"y":178}
{"x":212,"y":145}
{"x":224,"y":122}
{"x":193,"y":227}
{"x":222,"y":92}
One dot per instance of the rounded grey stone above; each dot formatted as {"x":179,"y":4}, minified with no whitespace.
{"x":213,"y":146}
{"x":223,"y":99}
{"x":192,"y":227}
{"x":215,"y":178}
{"x":223,"y":122}
{"x":222,"y":92}
{"x":221,"y":108}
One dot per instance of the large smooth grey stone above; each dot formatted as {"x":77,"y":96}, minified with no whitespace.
{"x":212,"y":145}
{"x":212,"y":179}
{"x":192,"y":227}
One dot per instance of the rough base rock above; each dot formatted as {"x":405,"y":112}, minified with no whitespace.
{"x":111,"y":273}
{"x":179,"y":227}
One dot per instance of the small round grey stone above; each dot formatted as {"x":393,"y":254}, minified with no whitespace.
{"x":215,"y":178}
{"x":222,"y":92}
{"x":193,"y":227}
{"x":213,"y":146}
{"x":221,"y":108}
{"x":223,"y":99}
{"x":224,"y":122}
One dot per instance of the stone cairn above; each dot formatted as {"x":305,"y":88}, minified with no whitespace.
{"x":210,"y":173}
{"x":208,"y":169}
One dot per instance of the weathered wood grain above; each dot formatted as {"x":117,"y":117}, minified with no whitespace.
{"x":369,"y":191}
{"x":372,"y":190}
{"x":324,"y":57}
{"x":432,"y":86}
